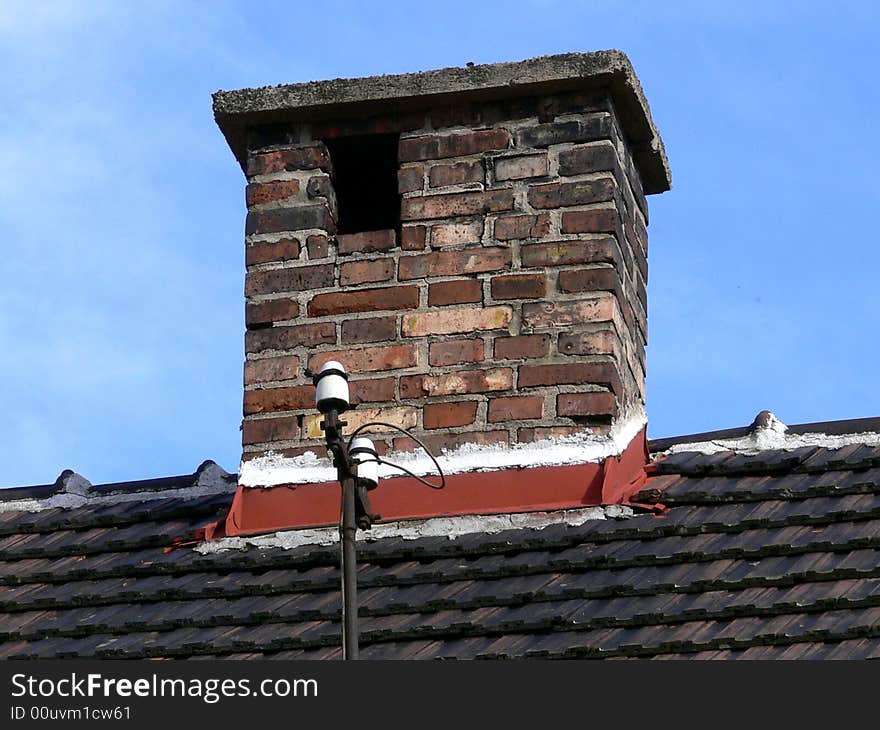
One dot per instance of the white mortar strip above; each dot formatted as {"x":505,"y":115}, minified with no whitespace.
{"x":449,"y":527}
{"x":273,"y":469}
{"x":777,"y":440}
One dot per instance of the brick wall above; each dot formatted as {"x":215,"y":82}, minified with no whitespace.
{"x":509,"y":305}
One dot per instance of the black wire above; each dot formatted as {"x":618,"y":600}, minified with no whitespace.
{"x":398,"y":466}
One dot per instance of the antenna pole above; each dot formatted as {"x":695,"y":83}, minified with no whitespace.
{"x":347,"y":532}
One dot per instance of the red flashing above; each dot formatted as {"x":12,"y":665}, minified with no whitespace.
{"x":257,"y":510}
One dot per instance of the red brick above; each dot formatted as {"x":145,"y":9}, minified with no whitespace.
{"x":366,"y":272}
{"x":259,"y":194}
{"x":273,"y":310}
{"x":522,"y":347}
{"x":295,"y":278}
{"x":295,"y":158}
{"x":296,"y":218}
{"x":454,"y":263}
{"x":286,"y":338}
{"x":519,"y":286}
{"x":599,"y":157}
{"x":269,"y":369}
{"x":436,"y":146}
{"x":440,"y":442}
{"x":582,"y":192}
{"x":368,"y":300}
{"x":373,"y":329}
{"x":601,"y":342}
{"x":454,"y":352}
{"x":449,"y":321}
{"x":521,"y":167}
{"x":464,"y":381}
{"x":366,"y":242}
{"x":516,"y":408}
{"x":271,"y":400}
{"x":412,"y":238}
{"x":460,"y":291}
{"x":262,"y":430}
{"x":458,"y":173}
{"x":555,"y":314}
{"x":476,"y":202}
{"x":370,"y":359}
{"x":585,"y":404}
{"x":410,"y":179}
{"x":264,"y":252}
{"x":527,"y":435}
{"x":556,"y":253}
{"x":601,"y":220}
{"x":581,"y":373}
{"x":575,"y":280}
{"x":374,"y":390}
{"x":456,"y":234}
{"x":401,"y":416}
{"x":319,"y":247}
{"x":515,"y":227}
{"x":449,"y":415}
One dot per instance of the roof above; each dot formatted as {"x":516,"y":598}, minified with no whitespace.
{"x":763,"y":554}
{"x":235,"y":111}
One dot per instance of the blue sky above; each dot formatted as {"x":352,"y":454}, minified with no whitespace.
{"x":122,"y":209}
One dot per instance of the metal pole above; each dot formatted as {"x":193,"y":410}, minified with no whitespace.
{"x":347,"y":532}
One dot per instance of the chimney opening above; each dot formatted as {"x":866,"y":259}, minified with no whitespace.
{"x":365,"y":182}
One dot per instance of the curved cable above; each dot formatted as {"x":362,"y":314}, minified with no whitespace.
{"x":398,"y":466}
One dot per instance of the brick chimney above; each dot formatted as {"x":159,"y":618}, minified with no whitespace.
{"x":471,"y":243}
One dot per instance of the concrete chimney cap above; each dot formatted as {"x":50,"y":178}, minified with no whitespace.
{"x":235,"y":111}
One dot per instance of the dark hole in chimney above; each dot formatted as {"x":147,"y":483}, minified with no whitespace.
{"x":365,"y":181}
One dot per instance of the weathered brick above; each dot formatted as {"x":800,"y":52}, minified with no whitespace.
{"x":457,"y":383}
{"x":263,"y":252}
{"x":516,"y":408}
{"x":402,"y":416}
{"x":450,"y":205}
{"x":600,"y":220}
{"x":437,"y":146}
{"x":263,"y":430}
{"x":373,"y":390}
{"x":440,"y":442}
{"x":560,"y":253}
{"x":582,"y":192}
{"x":367,"y":300}
{"x":455,"y":352}
{"x":599,"y":279}
{"x":457,"y":173}
{"x":509,"y":228}
{"x":449,"y":415}
{"x":367,"y":242}
{"x":412,"y":238}
{"x":318,"y":246}
{"x":580,"y":373}
{"x":519,"y":286}
{"x":272,"y":310}
{"x":448,"y":321}
{"x":521,"y":167}
{"x":453,"y":263}
{"x":527,"y":435}
{"x":262,"y":193}
{"x":286,"y":338}
{"x":601,"y":342}
{"x":460,"y":291}
{"x":272,"y":400}
{"x":587,"y":129}
{"x":456,"y":234}
{"x":600,"y":157}
{"x":295,"y":158}
{"x":370,"y":359}
{"x":366,"y":272}
{"x":296,"y":278}
{"x":555,"y":314}
{"x":295,"y":218}
{"x":410,"y":179}
{"x":359,"y":125}
{"x":522,"y":347}
{"x":586,"y":404}
{"x":285,"y":367}
{"x":373,"y":329}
